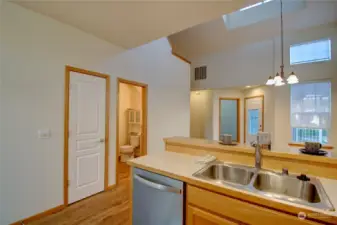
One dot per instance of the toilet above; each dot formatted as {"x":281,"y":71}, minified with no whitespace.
{"x":127,"y":151}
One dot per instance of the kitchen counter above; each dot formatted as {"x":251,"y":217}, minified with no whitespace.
{"x":246,"y":148}
{"x":182,"y":166}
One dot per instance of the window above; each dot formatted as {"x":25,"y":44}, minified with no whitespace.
{"x":260,"y":12}
{"x":310,"y":112}
{"x":254,"y":5}
{"x":315,"y":51}
{"x":253,"y":119}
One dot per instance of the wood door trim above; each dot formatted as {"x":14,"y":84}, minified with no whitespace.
{"x":237,"y":114}
{"x":245,"y":114}
{"x":144,"y":118}
{"x":181,"y":57}
{"x":69,"y":69}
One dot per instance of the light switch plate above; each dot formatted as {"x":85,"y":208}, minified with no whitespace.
{"x":264,"y":138}
{"x":44,"y":133}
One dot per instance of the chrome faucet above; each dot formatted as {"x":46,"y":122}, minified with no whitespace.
{"x":258,"y":154}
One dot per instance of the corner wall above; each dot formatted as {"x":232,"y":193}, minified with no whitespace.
{"x":34,"y":52}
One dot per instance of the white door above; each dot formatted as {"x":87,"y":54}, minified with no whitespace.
{"x":86,"y":135}
{"x":254,"y":118}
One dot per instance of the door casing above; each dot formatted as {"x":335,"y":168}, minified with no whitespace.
{"x":143,"y":140}
{"x":69,"y":69}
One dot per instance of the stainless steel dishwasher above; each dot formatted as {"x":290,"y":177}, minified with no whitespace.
{"x":157,"y":200}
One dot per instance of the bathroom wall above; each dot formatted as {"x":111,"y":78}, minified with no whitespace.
{"x":130,"y":97}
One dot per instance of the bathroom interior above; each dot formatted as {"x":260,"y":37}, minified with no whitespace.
{"x":130,"y":124}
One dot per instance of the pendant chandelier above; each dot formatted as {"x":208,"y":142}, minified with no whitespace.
{"x":279,"y":79}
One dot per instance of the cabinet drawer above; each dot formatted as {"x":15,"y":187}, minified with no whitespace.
{"x":239,"y":210}
{"x":197,"y":216}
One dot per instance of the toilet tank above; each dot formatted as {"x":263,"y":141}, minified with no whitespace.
{"x":134,"y":140}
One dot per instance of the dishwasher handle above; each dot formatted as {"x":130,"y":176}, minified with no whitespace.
{"x":157,"y":186}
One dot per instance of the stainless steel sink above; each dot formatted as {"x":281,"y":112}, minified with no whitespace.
{"x":221,"y":172}
{"x":227,"y":173}
{"x":268,"y":184}
{"x":288,"y":186}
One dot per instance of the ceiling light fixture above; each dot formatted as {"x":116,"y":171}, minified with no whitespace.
{"x":278,"y":80}
{"x":270,"y":81}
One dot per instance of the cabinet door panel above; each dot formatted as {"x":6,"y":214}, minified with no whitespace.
{"x":197,"y":216}
{"x":238,"y":210}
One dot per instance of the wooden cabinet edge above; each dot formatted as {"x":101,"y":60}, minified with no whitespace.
{"x":208,"y":200}
{"x":193,"y":212}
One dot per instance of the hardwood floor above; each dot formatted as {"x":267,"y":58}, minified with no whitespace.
{"x":106,"y":208}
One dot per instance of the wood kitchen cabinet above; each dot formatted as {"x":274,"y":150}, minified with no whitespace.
{"x":209,"y":208}
{"x":197,"y":216}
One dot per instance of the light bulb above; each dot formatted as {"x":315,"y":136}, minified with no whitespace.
{"x":278,"y":78}
{"x":279,"y":83}
{"x":270,"y":81}
{"x":292,"y":79}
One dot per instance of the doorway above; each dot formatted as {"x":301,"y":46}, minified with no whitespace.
{"x":229,"y":117}
{"x":253,"y":117}
{"x":86,"y":134}
{"x":131,"y":124}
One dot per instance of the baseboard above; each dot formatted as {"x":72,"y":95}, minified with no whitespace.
{"x":111,"y":187}
{"x":39,"y":215}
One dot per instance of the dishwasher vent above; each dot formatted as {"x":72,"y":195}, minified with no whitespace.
{"x":200,"y":73}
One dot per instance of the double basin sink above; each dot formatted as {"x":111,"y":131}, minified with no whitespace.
{"x":270,"y":184}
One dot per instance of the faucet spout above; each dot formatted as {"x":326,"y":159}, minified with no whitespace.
{"x":258,"y":154}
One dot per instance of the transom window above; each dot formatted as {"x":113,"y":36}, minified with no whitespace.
{"x":309,"y":52}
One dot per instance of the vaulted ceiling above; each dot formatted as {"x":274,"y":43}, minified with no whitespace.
{"x":214,"y":37}
{"x":132,"y":23}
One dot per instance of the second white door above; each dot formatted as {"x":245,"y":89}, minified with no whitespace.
{"x":86,"y":135}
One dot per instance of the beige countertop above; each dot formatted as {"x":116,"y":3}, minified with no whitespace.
{"x":213,"y":145}
{"x":182,"y":166}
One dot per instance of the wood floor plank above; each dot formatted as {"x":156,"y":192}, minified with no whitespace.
{"x":106,"y":208}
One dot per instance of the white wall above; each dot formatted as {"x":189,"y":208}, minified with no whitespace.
{"x":276,"y":113}
{"x":253,"y":64}
{"x":201,"y":108}
{"x":199,"y":104}
{"x":34,"y":52}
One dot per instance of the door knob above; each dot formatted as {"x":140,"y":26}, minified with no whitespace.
{"x":102,"y":140}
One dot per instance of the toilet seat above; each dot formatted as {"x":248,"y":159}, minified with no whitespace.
{"x":126,"y":149}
